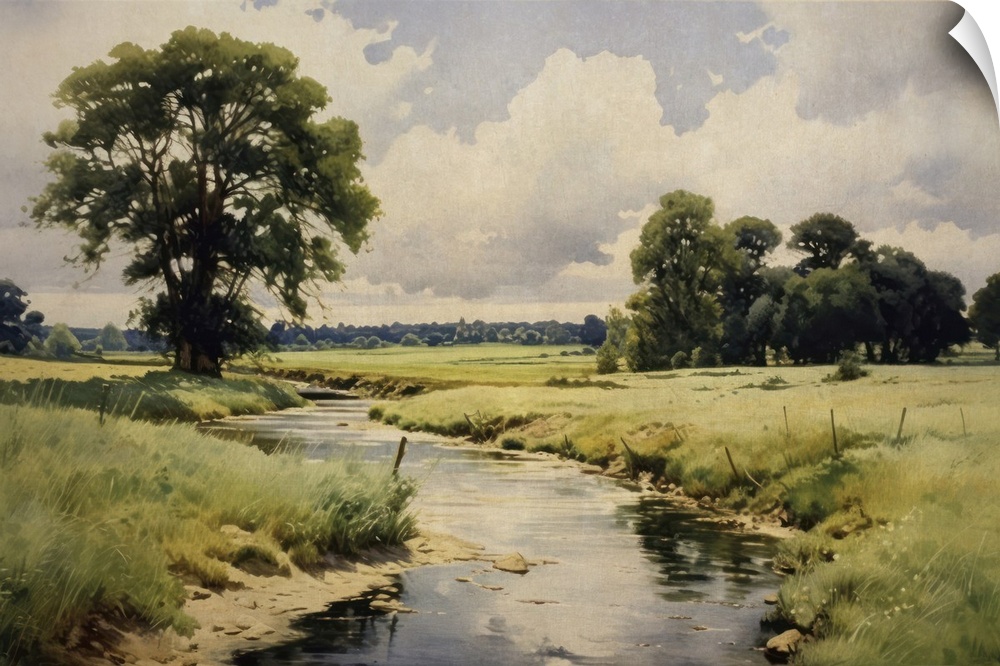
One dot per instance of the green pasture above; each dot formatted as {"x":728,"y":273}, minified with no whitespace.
{"x":485,"y":364}
{"x":898,"y":560}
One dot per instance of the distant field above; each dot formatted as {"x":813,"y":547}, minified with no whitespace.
{"x":487,"y":364}
{"x":19,"y":368}
{"x":727,"y":403}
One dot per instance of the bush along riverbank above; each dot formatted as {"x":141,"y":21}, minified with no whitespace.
{"x":896,"y":557}
{"x":103,"y":525}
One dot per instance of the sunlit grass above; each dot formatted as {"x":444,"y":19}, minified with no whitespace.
{"x":901,"y":560}
{"x":492,"y":364}
{"x":81,"y":369}
{"x":157,"y":395}
{"x":103,"y":519}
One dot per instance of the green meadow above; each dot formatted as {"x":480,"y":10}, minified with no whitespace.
{"x":898,"y":555}
{"x":109,"y":521}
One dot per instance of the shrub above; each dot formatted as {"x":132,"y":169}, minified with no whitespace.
{"x":704,"y":358}
{"x":410,"y":340}
{"x":848,"y":369}
{"x":680,"y":360}
{"x":61,"y":342}
{"x":607,"y":359}
{"x":512,"y":444}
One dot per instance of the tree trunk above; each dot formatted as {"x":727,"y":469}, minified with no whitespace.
{"x":191,"y":358}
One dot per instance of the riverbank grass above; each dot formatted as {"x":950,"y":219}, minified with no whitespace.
{"x":111,"y":521}
{"x":899,"y":560}
{"x":156,"y":395}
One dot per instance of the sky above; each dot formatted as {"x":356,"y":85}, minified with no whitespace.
{"x":517,"y":146}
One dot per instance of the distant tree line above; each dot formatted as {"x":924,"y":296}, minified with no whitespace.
{"x":22,"y":332}
{"x":707,"y":295}
{"x":591,"y":332}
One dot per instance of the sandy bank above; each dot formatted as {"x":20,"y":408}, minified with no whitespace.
{"x":258,"y":607}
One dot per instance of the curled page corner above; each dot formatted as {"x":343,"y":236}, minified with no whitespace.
{"x":970,"y":36}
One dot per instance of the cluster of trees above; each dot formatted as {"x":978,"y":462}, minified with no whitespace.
{"x":591,"y":332}
{"x":22,"y":331}
{"x":708,"y":296}
{"x":207,"y":157}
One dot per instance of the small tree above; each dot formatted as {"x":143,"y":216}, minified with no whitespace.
{"x":111,"y":338}
{"x":61,"y":342}
{"x":555,"y":334}
{"x":607,"y":359}
{"x":532,"y":337}
{"x":410,"y":340}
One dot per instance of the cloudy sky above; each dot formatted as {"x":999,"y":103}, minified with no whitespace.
{"x":518,"y":146}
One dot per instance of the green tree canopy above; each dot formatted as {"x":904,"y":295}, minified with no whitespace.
{"x":984,"y":314}
{"x":111,"y":338}
{"x":825,"y":238}
{"x":680,"y":262}
{"x":61,"y":342}
{"x":14,"y":335}
{"x":206,"y":158}
{"x":920,"y":311}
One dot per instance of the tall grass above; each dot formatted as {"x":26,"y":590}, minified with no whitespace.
{"x":921,"y":584}
{"x":104,"y":520}
{"x":900,"y":560}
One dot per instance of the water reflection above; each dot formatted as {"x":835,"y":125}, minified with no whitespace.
{"x":632,"y":580}
{"x":691,"y":553}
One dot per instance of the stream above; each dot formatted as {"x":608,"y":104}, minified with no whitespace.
{"x":626,"y":579}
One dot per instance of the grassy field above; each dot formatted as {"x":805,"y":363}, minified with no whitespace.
{"x":109,"y":520}
{"x":899,"y":557}
{"x":20,"y":368}
{"x":437,"y":367}
{"x":139,"y":386}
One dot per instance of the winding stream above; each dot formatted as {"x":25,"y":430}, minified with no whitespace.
{"x":628,"y":580}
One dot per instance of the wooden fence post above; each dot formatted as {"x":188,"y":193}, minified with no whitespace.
{"x":899,"y":433}
{"x":833,"y":426}
{"x":105,"y":391}
{"x":399,"y":456}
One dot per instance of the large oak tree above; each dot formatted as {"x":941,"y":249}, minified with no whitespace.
{"x":207,"y":159}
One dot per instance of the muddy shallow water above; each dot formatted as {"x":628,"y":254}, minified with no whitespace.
{"x":616,"y":578}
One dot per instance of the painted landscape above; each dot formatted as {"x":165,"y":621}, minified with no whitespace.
{"x":498,"y":333}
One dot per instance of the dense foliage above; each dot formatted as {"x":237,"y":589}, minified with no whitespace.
{"x":984,"y":314}
{"x":204,"y":157}
{"x":15,"y":333}
{"x":707,"y":295}
{"x":591,"y":332}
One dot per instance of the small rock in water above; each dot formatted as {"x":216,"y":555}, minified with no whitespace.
{"x":771,"y":599}
{"x":785,"y":644}
{"x":698,"y":627}
{"x":513,"y":563}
